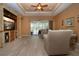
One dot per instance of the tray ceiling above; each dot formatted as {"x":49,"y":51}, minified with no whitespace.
{"x":27,"y":10}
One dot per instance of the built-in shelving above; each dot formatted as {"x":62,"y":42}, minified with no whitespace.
{"x":10,"y":25}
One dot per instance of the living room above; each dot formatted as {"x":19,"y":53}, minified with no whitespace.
{"x":65,"y":18}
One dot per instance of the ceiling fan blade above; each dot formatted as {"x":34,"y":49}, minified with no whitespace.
{"x":42,"y":9}
{"x":44,"y":5}
{"x":33,"y":6}
{"x":36,"y":9}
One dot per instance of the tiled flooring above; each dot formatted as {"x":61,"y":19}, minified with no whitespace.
{"x":32,"y":46}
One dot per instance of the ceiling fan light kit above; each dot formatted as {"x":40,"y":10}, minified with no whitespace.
{"x":39,"y":7}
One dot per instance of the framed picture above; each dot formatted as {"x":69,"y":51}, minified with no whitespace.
{"x":69,"y":21}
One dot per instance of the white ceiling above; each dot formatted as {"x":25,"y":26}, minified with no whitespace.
{"x":52,"y":9}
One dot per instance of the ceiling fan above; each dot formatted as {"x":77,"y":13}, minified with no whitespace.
{"x":39,"y":6}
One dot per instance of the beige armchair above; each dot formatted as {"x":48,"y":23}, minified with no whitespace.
{"x":57,"y":42}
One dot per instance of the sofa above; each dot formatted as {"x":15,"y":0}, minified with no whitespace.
{"x":57,"y":42}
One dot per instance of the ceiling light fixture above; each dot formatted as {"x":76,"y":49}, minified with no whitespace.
{"x":39,"y":6}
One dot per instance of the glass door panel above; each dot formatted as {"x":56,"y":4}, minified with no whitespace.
{"x":37,"y":25}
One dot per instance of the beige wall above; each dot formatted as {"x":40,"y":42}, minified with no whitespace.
{"x":25,"y":23}
{"x":19,"y":18}
{"x":72,"y":11}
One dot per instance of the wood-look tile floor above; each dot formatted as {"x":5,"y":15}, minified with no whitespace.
{"x":32,"y":46}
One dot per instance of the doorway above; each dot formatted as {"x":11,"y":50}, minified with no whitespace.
{"x":38,"y":25}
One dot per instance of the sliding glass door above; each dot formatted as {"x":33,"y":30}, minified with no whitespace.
{"x":37,"y":25}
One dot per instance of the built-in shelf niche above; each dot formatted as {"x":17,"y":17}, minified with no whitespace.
{"x":10,"y":20}
{"x":9,"y":24}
